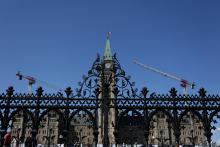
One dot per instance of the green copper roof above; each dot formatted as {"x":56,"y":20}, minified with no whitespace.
{"x":108,"y":52}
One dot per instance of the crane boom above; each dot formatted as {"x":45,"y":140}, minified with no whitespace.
{"x":157,"y":71}
{"x":32,"y":80}
{"x":183,"y":83}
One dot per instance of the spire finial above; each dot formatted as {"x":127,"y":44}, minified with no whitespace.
{"x":109,"y":35}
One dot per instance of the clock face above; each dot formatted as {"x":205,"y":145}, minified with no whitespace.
{"x":107,"y":65}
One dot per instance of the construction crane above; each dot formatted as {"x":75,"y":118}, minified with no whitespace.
{"x":32,"y":80}
{"x":183,"y":83}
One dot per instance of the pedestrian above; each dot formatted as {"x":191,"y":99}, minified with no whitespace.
{"x":7,"y":139}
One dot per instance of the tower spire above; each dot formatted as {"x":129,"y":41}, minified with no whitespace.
{"x":107,"y":52}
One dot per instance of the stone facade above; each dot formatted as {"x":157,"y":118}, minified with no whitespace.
{"x":130,"y":133}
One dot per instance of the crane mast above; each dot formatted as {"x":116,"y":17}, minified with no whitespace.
{"x":31,"y":80}
{"x":183,"y":83}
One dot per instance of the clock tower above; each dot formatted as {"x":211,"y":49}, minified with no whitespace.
{"x":108,"y":73}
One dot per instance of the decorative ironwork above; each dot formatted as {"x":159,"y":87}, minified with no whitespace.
{"x":94,"y":93}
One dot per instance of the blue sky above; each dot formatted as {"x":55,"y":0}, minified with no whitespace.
{"x":57,"y":41}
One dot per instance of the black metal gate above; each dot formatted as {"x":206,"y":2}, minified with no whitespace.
{"x":110,"y":89}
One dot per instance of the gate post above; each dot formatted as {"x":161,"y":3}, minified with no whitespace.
{"x":95,"y":125}
{"x":177,"y":133}
{"x":68,"y":92}
{"x":206,"y":120}
{"x":105,"y":106}
{"x":35,"y":126}
{"x":144,"y":92}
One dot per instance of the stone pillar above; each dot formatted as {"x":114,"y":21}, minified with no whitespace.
{"x":100,"y":126}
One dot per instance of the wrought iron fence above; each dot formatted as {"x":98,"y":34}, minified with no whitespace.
{"x":116,"y":90}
